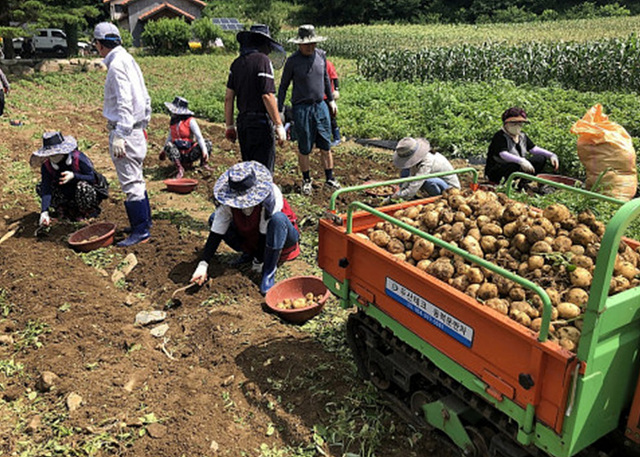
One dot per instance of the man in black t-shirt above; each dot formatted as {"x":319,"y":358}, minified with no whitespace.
{"x":251,"y":82}
{"x":511,"y":150}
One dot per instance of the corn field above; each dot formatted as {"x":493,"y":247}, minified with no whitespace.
{"x":354,"y":41}
{"x":612,"y":64}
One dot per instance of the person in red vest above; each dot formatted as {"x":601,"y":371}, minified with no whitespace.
{"x":70,"y":185}
{"x":333,"y":79}
{"x":185,"y":143}
{"x":253,"y":218}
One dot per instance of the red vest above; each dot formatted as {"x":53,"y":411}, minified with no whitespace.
{"x":181,"y":135}
{"x":249,"y":230}
{"x":75,"y":164}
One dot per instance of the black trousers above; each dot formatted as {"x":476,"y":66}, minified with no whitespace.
{"x":1,"y":102}
{"x":502,"y":171}
{"x":256,"y":138}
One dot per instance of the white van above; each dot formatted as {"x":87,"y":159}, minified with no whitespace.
{"x":45,"y":41}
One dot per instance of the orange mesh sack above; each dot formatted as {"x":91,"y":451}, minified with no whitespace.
{"x":606,"y":147}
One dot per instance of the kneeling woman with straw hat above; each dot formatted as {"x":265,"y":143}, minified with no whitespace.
{"x":253,"y":218}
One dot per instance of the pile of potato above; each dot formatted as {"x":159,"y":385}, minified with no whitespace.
{"x":552,"y":248}
{"x":299,"y":303}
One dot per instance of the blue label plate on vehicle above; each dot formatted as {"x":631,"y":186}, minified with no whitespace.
{"x":430,"y":312}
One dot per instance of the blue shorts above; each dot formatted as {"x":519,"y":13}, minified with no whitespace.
{"x":313,"y":125}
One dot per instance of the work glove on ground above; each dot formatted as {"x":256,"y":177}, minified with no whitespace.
{"x":118,"y":147}
{"x":200,"y":275}
{"x":66,"y":176}
{"x":230,"y":133}
{"x":45,"y":219}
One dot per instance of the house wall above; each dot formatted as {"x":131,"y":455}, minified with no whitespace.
{"x":140,"y":7}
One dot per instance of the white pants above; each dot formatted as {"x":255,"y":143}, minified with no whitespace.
{"x":129,"y":168}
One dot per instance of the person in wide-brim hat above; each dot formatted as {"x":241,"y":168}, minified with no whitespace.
{"x":415,"y":158}
{"x":185,"y":143}
{"x":307,"y":35}
{"x":69,"y":186}
{"x":253,"y":218}
{"x":511,"y":150}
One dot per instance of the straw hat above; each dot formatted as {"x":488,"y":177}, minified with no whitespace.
{"x":307,"y":35}
{"x":244,"y":185}
{"x":410,"y":151}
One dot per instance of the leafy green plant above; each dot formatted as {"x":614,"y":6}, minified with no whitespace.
{"x":167,"y":36}
{"x":100,"y":258}
{"x":30,"y":335}
{"x":10,"y":367}
{"x":5,"y":305}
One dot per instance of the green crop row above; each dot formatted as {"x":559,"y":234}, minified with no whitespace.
{"x":459,"y":119}
{"x":354,"y":41}
{"x":612,"y":64}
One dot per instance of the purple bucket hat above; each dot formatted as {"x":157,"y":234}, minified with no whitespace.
{"x":244,"y":185}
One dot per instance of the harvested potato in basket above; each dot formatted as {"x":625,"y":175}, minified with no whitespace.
{"x":301,"y":302}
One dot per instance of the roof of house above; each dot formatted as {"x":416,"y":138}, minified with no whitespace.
{"x":149,"y":14}
{"x":126,"y":2}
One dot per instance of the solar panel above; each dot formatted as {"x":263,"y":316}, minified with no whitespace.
{"x":228,"y":23}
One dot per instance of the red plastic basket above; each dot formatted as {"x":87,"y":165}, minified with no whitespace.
{"x":293,"y":288}
{"x":93,"y":236}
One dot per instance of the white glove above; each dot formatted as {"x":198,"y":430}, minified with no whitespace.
{"x":200,"y":275}
{"x":333,"y":108}
{"x":256,"y":266}
{"x":117,"y":147}
{"x":45,"y":219}
{"x":527,"y":167}
{"x":205,"y":154}
{"x":336,"y":94}
{"x":281,"y":135}
{"x":66,"y":176}
{"x":554,"y":162}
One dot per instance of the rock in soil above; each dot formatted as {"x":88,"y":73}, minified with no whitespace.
{"x":156,"y":430}
{"x":73,"y":401}
{"x":34,"y":424}
{"x":46,"y":381}
{"x":160,"y":330}
{"x":150,"y":317}
{"x":6,"y":339}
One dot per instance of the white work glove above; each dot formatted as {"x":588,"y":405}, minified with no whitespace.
{"x":281,"y":134}
{"x":200,"y":275}
{"x":527,"y":167}
{"x":205,"y":154}
{"x":45,"y":219}
{"x":333,"y":108}
{"x":554,"y":162}
{"x":256,"y":266}
{"x":336,"y":94}
{"x":66,"y":176}
{"x":117,"y":147}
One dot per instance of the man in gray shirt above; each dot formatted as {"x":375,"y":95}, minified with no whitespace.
{"x":307,"y":68}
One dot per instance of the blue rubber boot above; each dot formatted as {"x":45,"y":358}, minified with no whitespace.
{"x":128,"y":230}
{"x":269,"y":268}
{"x":138,"y":218}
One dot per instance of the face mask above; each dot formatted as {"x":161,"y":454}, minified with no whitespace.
{"x":513,"y":129}
{"x":248,"y":211}
{"x":57,"y":158}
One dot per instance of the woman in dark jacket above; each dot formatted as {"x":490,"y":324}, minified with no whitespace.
{"x":70,"y":185}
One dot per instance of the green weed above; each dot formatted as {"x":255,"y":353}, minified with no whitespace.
{"x":10,"y":367}
{"x":5,"y":305}
{"x":30,"y":335}
{"x":100,"y":258}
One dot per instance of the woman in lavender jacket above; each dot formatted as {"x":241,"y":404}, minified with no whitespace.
{"x":511,"y":150}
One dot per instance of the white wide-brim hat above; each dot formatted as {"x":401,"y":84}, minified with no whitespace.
{"x":244,"y":185}
{"x":410,"y":151}
{"x":307,"y":35}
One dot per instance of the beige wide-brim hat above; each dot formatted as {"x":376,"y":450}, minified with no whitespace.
{"x":410,"y":151}
{"x":307,"y":35}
